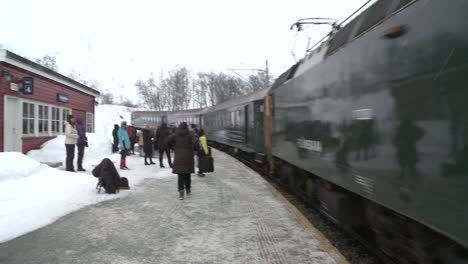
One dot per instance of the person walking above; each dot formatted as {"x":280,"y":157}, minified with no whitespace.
{"x":183,"y":157}
{"x":160,"y":143}
{"x":148,"y":145}
{"x":71,"y":138}
{"x":82,"y":142}
{"x":124,"y":144}
{"x":115,"y":136}
{"x":202,"y":150}
{"x":140,"y":142}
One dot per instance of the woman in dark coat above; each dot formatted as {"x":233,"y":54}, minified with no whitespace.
{"x":161,"y":137}
{"x":148,"y":145}
{"x":108,"y":176}
{"x":115,"y":146}
{"x":184,"y":147}
{"x":82,"y":142}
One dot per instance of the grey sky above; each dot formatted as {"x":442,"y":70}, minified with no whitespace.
{"x":118,"y":42}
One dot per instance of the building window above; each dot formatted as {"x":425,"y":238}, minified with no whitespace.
{"x":28,"y":118}
{"x":65,"y":114}
{"x":55,"y":120}
{"x":89,"y":123}
{"x":43,"y":124}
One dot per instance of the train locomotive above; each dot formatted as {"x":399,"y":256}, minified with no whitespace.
{"x":372,"y":126}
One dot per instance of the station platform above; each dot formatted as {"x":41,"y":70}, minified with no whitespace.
{"x":232,"y":216}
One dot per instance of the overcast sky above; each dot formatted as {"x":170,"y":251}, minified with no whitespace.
{"x":118,"y":42}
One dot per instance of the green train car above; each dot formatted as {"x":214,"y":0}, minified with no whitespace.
{"x":374,"y":124}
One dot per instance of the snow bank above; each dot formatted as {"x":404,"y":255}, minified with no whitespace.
{"x":41,"y":195}
{"x":15,"y":166}
{"x":33,"y":195}
{"x":54,"y":150}
{"x":108,"y":115}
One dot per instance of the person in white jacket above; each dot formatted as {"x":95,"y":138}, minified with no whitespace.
{"x":71,"y":138}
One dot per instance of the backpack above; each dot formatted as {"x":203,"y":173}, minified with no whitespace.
{"x":123,"y":183}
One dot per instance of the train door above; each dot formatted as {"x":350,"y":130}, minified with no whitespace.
{"x":259,"y":126}
{"x":246,"y":125}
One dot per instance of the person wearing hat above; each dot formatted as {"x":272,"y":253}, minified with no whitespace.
{"x":71,"y":139}
{"x":148,"y":145}
{"x":183,"y":166}
{"x":124,"y":145}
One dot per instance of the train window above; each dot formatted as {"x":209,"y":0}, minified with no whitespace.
{"x":376,"y":13}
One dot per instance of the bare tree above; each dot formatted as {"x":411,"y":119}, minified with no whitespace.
{"x":106,"y":97}
{"x":48,"y":61}
{"x":177,"y":84}
{"x":180,"y":91}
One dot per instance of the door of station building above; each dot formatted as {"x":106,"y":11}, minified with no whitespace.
{"x":12,"y":126}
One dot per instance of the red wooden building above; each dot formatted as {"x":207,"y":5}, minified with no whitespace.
{"x":35,"y":102}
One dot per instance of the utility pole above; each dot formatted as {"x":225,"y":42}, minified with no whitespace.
{"x":267,"y":77}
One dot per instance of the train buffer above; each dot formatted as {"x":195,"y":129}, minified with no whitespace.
{"x":232,"y":216}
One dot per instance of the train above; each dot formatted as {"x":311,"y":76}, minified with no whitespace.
{"x":371,"y":125}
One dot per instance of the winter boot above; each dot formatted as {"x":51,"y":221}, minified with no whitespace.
{"x":151,"y":161}
{"x":188,"y":191}
{"x":146,"y":162}
{"x":161,"y":165}
{"x":122,"y":167}
{"x":181,"y":195}
{"x":125,"y":164}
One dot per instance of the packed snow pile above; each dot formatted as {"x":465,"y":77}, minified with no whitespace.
{"x":106,"y":116}
{"x":54,"y":150}
{"x":33,"y":195}
{"x":15,"y":165}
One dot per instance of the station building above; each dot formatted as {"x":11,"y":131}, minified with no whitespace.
{"x":35,"y":101}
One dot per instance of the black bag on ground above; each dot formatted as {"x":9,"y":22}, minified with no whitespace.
{"x":108,"y":176}
{"x":206,"y":164}
{"x":123,"y":183}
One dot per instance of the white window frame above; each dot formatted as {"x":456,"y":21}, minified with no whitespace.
{"x":28,"y":130}
{"x":48,"y":123}
{"x":89,"y":122}
{"x":49,"y":118}
{"x":57,"y":122}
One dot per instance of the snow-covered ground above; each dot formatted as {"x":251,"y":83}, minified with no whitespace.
{"x":33,"y":195}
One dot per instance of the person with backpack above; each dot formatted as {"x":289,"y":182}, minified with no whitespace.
{"x":160,"y":143}
{"x":115,"y":137}
{"x":202,"y":151}
{"x":108,"y":176}
{"x":82,"y":142}
{"x":184,"y":148}
{"x":148,"y":145}
{"x":71,"y":138}
{"x":124,"y":144}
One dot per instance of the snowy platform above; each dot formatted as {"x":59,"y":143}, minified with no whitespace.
{"x":232,"y":216}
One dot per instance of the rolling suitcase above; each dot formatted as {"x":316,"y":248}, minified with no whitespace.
{"x":206,"y":164}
